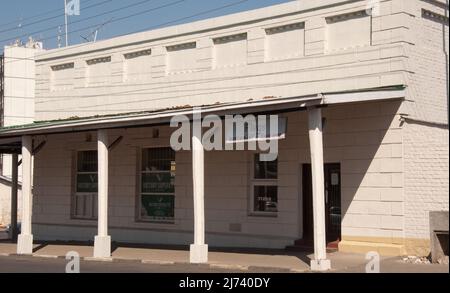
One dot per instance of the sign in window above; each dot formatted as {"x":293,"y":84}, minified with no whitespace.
{"x":157,"y":198}
{"x":264,"y":187}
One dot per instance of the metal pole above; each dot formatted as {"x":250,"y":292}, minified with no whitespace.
{"x":446,"y":65}
{"x":14,"y":187}
{"x":66,"y":23}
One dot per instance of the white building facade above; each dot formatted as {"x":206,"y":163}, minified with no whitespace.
{"x":17,"y":108}
{"x":363,"y":90}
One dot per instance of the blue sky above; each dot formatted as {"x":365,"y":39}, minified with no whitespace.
{"x":41,"y":19}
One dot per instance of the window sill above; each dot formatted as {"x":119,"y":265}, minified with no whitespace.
{"x":83,"y":219}
{"x":155,"y":222}
{"x":263,"y":215}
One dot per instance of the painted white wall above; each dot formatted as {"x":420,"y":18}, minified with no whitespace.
{"x":294,"y":63}
{"x":5,"y":203}
{"x":391,"y":180}
{"x":18,"y":107}
{"x":364,"y":138}
{"x":426,"y":141}
{"x":19,"y":85}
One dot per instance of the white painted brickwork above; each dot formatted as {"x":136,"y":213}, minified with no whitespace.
{"x":426,"y":182}
{"x":426,"y":141}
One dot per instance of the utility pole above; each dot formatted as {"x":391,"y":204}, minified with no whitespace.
{"x":59,"y":36}
{"x":66,"y":23}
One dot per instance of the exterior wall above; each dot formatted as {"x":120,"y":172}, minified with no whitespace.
{"x":364,"y":138}
{"x":367,"y":140}
{"x":428,"y":66}
{"x":426,"y":181}
{"x":394,"y":155}
{"x":19,"y":85}
{"x":426,"y":127}
{"x":311,"y":69}
{"x":226,"y":197}
{"x":425,"y":130}
{"x":5,"y":203}
{"x":18,"y":110}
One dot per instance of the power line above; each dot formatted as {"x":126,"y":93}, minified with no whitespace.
{"x":149,"y":28}
{"x":300,"y":18}
{"x":163,"y":44}
{"x":38,"y":15}
{"x":195,"y":15}
{"x":47,"y":19}
{"x":78,"y":21}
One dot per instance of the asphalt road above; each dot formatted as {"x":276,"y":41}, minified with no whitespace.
{"x":27,"y":264}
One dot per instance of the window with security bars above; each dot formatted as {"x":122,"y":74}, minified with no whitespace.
{"x":157,"y":190}
{"x":84,"y":205}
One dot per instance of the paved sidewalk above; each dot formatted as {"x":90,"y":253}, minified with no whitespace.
{"x":224,"y":260}
{"x":229,"y":259}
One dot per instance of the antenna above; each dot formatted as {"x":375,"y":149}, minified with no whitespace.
{"x":19,"y":25}
{"x":92,"y":37}
{"x":84,"y":38}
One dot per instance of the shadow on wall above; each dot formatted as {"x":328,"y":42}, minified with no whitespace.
{"x":352,"y":137}
{"x":5,"y":201}
{"x":369,"y":162}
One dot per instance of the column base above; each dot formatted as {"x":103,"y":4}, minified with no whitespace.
{"x":25,"y":244}
{"x":320,"y":265}
{"x":198,"y":253}
{"x":102,"y":247}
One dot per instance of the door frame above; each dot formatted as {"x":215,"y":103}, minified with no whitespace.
{"x":307,"y":219}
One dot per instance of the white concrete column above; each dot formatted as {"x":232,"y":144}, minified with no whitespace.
{"x":320,"y":262}
{"x":25,"y":239}
{"x":102,"y":243}
{"x":198,"y":250}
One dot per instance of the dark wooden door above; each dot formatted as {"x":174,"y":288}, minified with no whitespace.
{"x":332,"y":202}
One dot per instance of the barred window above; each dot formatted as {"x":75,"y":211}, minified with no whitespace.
{"x":84,"y":204}
{"x":157,"y":194}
